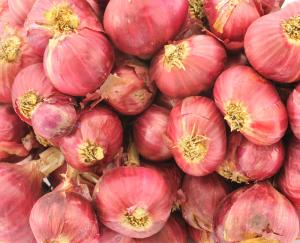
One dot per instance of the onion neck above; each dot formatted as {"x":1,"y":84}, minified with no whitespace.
{"x":194,"y":148}
{"x":137,"y":218}
{"x":9,"y":49}
{"x":28,"y":102}
{"x":228,"y":171}
{"x":196,"y":9}
{"x":175,"y":55}
{"x":90,"y":152}
{"x":291,"y":28}
{"x":237,"y":116}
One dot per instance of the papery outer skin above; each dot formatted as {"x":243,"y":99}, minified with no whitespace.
{"x":95,"y":6}
{"x":293,"y":108}
{"x":110,"y":236}
{"x":231,"y":23}
{"x":21,"y":188}
{"x":200,"y":236}
{"x":125,"y":187}
{"x":268,"y":116}
{"x":38,"y":33}
{"x":253,"y":162}
{"x":202,"y":197}
{"x":32,"y":78}
{"x":151,"y":24}
{"x":19,"y":9}
{"x":148,"y":133}
{"x":268,"y":49}
{"x":197,"y":115}
{"x":64,"y":215}
{"x":100,"y":126}
{"x":129,"y":91}
{"x":167,"y":101}
{"x":257,"y":211}
{"x":174,"y":231}
{"x":25,"y":57}
{"x":271,"y":5}
{"x":81,"y":70}
{"x":204,"y":61}
{"x":54,"y":119}
{"x":56,"y":177}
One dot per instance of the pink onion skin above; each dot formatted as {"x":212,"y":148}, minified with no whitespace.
{"x":32,"y":78}
{"x":293,"y":108}
{"x":167,"y":101}
{"x":236,"y":59}
{"x":110,"y":236}
{"x":148,"y":133}
{"x":271,"y":5}
{"x":202,"y":197}
{"x":150,"y":24}
{"x":100,"y":127}
{"x":204,"y":62}
{"x":246,"y":161}
{"x":19,"y":9}
{"x":144,"y":189}
{"x":174,"y":231}
{"x":197,"y":116}
{"x":37,"y":27}
{"x":230,"y":21}
{"x":79,"y":71}
{"x":21,"y":187}
{"x":55,"y":117}
{"x":270,"y":51}
{"x":267,"y":117}
{"x":95,"y":6}
{"x":200,"y":236}
{"x":259,"y":212}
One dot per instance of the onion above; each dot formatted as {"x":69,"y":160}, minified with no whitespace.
{"x":202,"y":196}
{"x":55,"y":117}
{"x":271,"y":5}
{"x":167,"y":101}
{"x":272,"y":44}
{"x":257,"y":213}
{"x":174,"y":231}
{"x":251,"y":105}
{"x":200,"y":236}
{"x":96,"y":139}
{"x":109,"y":236}
{"x":148,"y":132}
{"x":188,"y":67}
{"x":95,"y":6}
{"x":19,"y":9}
{"x":150,"y":24}
{"x":134,"y":201}
{"x":293,"y":108}
{"x":21,"y":186}
{"x":229,"y":19}
{"x":65,"y":215}
{"x":57,"y":19}
{"x":247,"y":162}
{"x":196,"y":136}
{"x":30,"y":88}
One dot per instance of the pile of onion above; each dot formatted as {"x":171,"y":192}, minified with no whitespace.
{"x":189,"y":66}
{"x":246,"y":161}
{"x":251,"y":105}
{"x":256,"y":213}
{"x":272,"y":44}
{"x":196,"y":136}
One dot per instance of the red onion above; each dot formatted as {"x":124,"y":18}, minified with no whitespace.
{"x":251,"y":105}
{"x":150,"y":24}
{"x":196,"y":136}
{"x":257,"y":213}
{"x":293,"y":108}
{"x":95,"y":6}
{"x":272,"y":44}
{"x":167,"y":101}
{"x":96,"y":139}
{"x":229,"y":19}
{"x":247,"y":162}
{"x":30,"y":88}
{"x":148,"y":132}
{"x":55,"y":117}
{"x":174,"y":231}
{"x":202,"y":196}
{"x":134,"y":201}
{"x":188,"y":67}
{"x":200,"y":236}
{"x":109,"y":236}
{"x":58,"y":19}
{"x":271,"y":5}
{"x":19,"y":9}
{"x":20,"y":188}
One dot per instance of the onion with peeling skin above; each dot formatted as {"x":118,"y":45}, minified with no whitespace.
{"x":109,"y":236}
{"x":196,"y":136}
{"x":293,"y":108}
{"x":200,"y":236}
{"x":19,"y":9}
{"x":189,"y":66}
{"x":246,"y":162}
{"x":202,"y":196}
{"x":134,"y":201}
{"x":150,"y":24}
{"x":96,"y":139}
{"x":30,"y":88}
{"x":251,"y":105}
{"x":272,"y":44}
